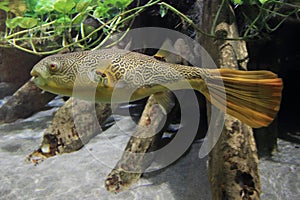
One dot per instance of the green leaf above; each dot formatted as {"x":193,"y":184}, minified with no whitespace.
{"x":263,"y":1}
{"x":63,"y":20}
{"x":31,"y":4}
{"x":64,"y":6}
{"x":240,"y":2}
{"x":62,"y":24}
{"x":110,"y":8}
{"x":162,"y":11}
{"x":82,"y":5}
{"x":27,"y":22}
{"x":44,"y":7}
{"x":13,"y":23}
{"x":121,"y":3}
{"x":78,"y":19}
{"x":4,"y":6}
{"x":23,"y":22}
{"x":101,"y":11}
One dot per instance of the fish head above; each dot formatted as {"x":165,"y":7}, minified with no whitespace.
{"x":58,"y":73}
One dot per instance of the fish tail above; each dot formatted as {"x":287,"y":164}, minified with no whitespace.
{"x":251,"y":96}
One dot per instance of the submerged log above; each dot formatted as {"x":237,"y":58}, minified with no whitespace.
{"x":73,"y":125}
{"x":133,"y":163}
{"x":24,"y":102}
{"x":233,"y":162}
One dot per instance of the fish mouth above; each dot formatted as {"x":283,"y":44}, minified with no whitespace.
{"x":47,"y":85}
{"x":37,"y":79}
{"x":34,"y":73}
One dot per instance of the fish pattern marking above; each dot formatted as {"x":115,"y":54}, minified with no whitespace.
{"x":251,"y":96}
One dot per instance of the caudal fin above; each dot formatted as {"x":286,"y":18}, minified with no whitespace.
{"x":251,"y":96}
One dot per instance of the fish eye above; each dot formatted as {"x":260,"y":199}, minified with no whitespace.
{"x":53,"y":67}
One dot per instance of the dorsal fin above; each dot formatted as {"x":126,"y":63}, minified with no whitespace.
{"x":162,"y":53}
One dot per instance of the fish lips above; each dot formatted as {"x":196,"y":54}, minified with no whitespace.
{"x":37,"y":79}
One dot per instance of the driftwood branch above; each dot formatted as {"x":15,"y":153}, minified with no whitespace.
{"x":74,"y":124}
{"x":234,"y":159}
{"x":233,"y":162}
{"x":134,"y":162}
{"x":22,"y":104}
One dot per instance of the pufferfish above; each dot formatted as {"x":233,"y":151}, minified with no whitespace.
{"x":251,"y":96}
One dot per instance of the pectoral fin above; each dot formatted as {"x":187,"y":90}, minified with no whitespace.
{"x":103,"y":74}
{"x":103,"y":66}
{"x":165,"y":100}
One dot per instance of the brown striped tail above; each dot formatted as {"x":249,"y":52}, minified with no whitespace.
{"x":251,"y":96}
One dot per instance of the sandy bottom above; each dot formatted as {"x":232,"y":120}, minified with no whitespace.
{"x":81,"y":175}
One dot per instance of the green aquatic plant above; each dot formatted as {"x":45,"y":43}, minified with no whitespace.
{"x":47,"y":27}
{"x":249,"y":2}
{"x":260,"y":17}
{"x":40,"y":11}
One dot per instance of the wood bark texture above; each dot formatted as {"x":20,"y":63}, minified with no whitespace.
{"x":73,"y":125}
{"x":233,"y":162}
{"x":133,"y":163}
{"x":24,"y":102}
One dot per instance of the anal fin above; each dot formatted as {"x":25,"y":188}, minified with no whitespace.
{"x":164,"y":99}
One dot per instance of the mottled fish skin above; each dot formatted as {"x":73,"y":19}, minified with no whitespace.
{"x":110,"y":68}
{"x":251,"y":96}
